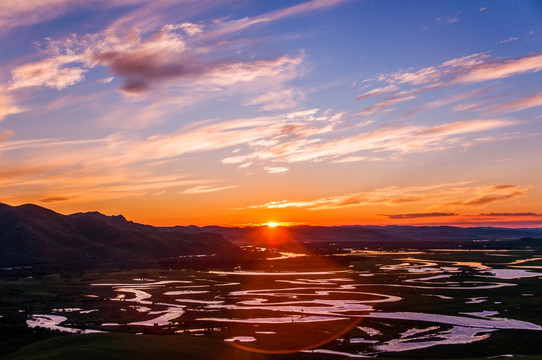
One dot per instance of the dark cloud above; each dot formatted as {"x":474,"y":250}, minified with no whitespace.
{"x":55,"y":199}
{"x":486,"y":199}
{"x":495,"y":193}
{"x":141,"y":68}
{"x":418,"y":215}
{"x":520,"y":214}
{"x":135,"y":86}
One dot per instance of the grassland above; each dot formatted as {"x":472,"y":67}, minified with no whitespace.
{"x":24,"y":292}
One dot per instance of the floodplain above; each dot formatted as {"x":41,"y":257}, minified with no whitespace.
{"x":342,"y":303}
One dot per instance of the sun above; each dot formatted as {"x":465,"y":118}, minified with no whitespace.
{"x":272,"y":224}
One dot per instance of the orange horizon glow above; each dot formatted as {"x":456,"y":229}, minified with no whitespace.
{"x":171,"y":215}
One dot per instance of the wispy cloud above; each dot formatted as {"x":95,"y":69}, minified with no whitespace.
{"x":6,"y":134}
{"x":378,"y":91}
{"x":468,"y":69}
{"x":495,"y":194}
{"x":282,"y":99}
{"x":523,"y":103}
{"x":388,"y":139}
{"x":106,"y":80}
{"x":389,"y":196}
{"x":510,"y":39}
{"x":392,"y":100}
{"x":275,"y":169}
{"x":453,"y":19}
{"x":241,"y":24}
{"x":7,"y":105}
{"x":427,"y":196}
{"x":29,"y":12}
{"x":406,"y":85}
{"x":202,"y":189}
{"x":445,"y":101}
{"x":121,"y":164}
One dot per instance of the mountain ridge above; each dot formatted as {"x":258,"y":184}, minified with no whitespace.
{"x":31,"y":234}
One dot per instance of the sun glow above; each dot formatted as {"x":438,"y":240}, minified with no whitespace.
{"x":272,"y":224}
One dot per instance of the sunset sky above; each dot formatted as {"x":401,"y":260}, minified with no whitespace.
{"x":242,"y":112}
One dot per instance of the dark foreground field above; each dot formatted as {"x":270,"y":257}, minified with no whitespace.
{"x":342,"y":303}
{"x":135,"y":347}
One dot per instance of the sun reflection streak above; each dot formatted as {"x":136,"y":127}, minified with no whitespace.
{"x":266,"y":296}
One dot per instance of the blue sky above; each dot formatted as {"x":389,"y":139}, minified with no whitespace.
{"x":238,"y":112}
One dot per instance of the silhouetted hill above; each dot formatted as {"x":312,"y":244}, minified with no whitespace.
{"x":403,"y":236}
{"x":456,"y":233}
{"x":30,"y":234}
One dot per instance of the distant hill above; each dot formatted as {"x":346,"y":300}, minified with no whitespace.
{"x":394,"y":235}
{"x":457,"y":233}
{"x":31,"y":234}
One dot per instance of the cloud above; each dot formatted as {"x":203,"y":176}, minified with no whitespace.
{"x":392,"y":100}
{"x":495,"y":194}
{"x":6,"y":134}
{"x":29,"y":12}
{"x":499,"y":69}
{"x":523,"y":103}
{"x":55,"y":199}
{"x":454,"y":18}
{"x":467,"y":69}
{"x":174,"y":54}
{"x":378,"y":91}
{"x":445,"y":101}
{"x":405,"y":85}
{"x":272,"y":141}
{"x":394,"y":140}
{"x":275,"y":169}
{"x":241,"y":24}
{"x":510,"y":39}
{"x":462,"y":127}
{"x":255,"y":132}
{"x":282,"y":99}
{"x":439,"y":195}
{"x":191,"y":29}
{"x":106,"y":80}
{"x":84,"y":174}
{"x":91,"y":161}
{"x":7,"y":106}
{"x":201,"y":189}
{"x":164,"y":57}
{"x":418,"y":215}
{"x":508,"y":214}
{"x":144,"y":61}
{"x":389,"y":196}
{"x":358,"y":158}
{"x":54,"y":73}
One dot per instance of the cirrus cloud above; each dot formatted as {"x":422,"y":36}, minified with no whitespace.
{"x":426,"y":196}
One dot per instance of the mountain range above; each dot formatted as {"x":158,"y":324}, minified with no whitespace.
{"x":30,"y":234}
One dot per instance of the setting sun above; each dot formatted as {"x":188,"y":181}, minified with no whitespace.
{"x":272,"y":224}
